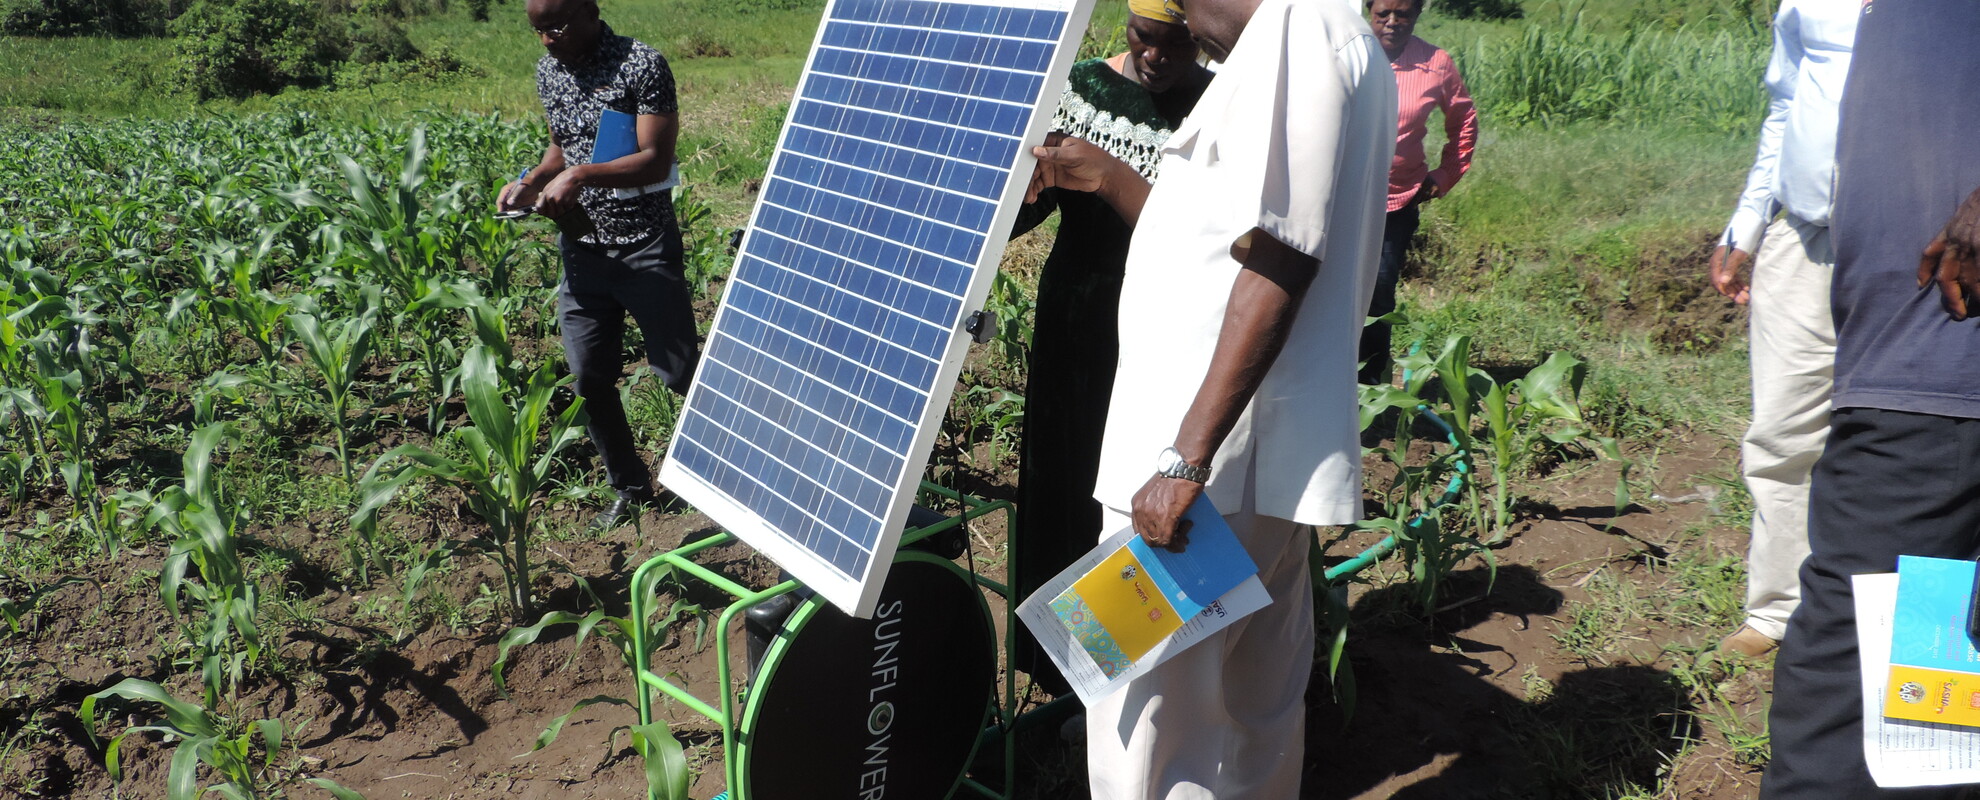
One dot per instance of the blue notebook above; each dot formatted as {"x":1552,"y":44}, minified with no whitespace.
{"x":618,"y":137}
{"x":1214,"y":562}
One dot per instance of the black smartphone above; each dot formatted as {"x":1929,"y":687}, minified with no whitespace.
{"x":1973,"y":611}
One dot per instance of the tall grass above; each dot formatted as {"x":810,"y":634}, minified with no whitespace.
{"x":1550,"y":74}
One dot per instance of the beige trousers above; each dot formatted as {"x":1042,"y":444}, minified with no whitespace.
{"x":1225,"y":719}
{"x":1794,"y":368}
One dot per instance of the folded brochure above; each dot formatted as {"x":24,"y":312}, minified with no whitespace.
{"x":1935,"y":670}
{"x":1125,"y":606}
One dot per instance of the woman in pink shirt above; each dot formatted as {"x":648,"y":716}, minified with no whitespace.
{"x":1426,"y":80}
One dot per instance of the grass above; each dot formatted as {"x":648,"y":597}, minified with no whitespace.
{"x":712,"y":45}
{"x":1589,"y":239}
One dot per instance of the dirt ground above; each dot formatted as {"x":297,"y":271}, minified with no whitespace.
{"x":1480,"y":701}
{"x":1485,"y":703}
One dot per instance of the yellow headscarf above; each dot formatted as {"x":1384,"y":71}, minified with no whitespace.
{"x":1158,"y":10}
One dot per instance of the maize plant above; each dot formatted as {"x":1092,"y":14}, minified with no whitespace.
{"x":336,"y":356}
{"x":1518,"y":414}
{"x":385,"y":233}
{"x":69,"y":378}
{"x":243,"y":291}
{"x":501,"y":466}
{"x":226,"y":747}
{"x":666,"y":770}
{"x":1415,"y":502}
{"x":205,"y":523}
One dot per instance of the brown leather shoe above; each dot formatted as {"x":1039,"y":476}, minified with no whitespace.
{"x":1748,"y":642}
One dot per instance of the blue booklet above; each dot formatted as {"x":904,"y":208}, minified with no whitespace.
{"x":618,"y":137}
{"x":1212,"y":563}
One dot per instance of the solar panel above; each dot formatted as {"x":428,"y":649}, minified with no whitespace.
{"x":825,"y":376}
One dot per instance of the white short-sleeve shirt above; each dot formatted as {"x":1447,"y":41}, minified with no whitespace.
{"x":1292,"y":138}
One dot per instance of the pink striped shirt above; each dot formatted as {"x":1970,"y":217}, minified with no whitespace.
{"x":1426,"y":78}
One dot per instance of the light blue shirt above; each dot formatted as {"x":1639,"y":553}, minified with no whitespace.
{"x":1795,"y":167}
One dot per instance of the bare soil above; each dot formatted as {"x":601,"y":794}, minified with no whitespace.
{"x":1445,"y":707}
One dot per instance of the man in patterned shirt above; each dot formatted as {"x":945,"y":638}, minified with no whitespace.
{"x":631,"y":262}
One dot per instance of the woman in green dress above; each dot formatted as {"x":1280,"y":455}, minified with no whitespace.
{"x":1127,"y":104}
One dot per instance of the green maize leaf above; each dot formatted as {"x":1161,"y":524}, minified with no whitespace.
{"x":170,"y":576}
{"x":305,"y":197}
{"x":1554,"y":387}
{"x":556,"y":726}
{"x":271,"y":739}
{"x":362,"y":193}
{"x":1453,"y":370}
{"x":585,"y":627}
{"x":1377,"y":399}
{"x":186,"y":719}
{"x":414,"y":173}
{"x":522,"y":636}
{"x":335,"y":789}
{"x":182,"y":782}
{"x":480,"y":383}
{"x":198,"y":460}
{"x":666,"y":764}
{"x":112,"y":754}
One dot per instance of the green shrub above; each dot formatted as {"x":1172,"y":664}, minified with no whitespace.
{"x":438,"y":66}
{"x":87,"y":17}
{"x":378,"y":40}
{"x":1480,"y":9}
{"x":235,"y":48}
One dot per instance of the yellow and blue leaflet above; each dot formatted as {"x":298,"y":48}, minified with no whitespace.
{"x":1935,"y":669}
{"x":1139,"y":596}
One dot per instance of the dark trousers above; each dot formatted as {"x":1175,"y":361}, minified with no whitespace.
{"x":1397,"y":230}
{"x":1888,"y":483}
{"x":602,"y":284}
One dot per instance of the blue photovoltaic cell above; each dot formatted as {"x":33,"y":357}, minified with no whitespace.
{"x":849,"y":290}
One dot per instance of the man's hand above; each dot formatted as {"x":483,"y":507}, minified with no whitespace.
{"x":1158,"y":511}
{"x":516,"y":195}
{"x":1953,"y":259}
{"x":561,"y":195}
{"x":1728,"y":269}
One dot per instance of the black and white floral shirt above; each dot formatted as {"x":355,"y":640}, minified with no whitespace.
{"x":626,"y":76}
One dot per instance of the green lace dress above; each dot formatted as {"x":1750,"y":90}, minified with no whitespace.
{"x":1075,"y":341}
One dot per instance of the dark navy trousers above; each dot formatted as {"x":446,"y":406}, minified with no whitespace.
{"x":602,"y":285}
{"x":1889,"y":483}
{"x":1397,"y":230}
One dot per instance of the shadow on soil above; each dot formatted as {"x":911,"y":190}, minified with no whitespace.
{"x":1430,"y":724}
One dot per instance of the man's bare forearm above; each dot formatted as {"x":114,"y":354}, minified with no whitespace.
{"x":547,"y":167}
{"x":647,"y":165}
{"x":1264,"y":301}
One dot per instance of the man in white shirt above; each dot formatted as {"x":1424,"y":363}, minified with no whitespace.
{"x":1793,"y":346}
{"x":1252,"y":263}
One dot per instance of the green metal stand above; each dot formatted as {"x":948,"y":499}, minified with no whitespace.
{"x":1005,"y":722}
{"x":724,"y":712}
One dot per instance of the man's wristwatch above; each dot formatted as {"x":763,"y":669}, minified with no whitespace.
{"x":1170,"y":464}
